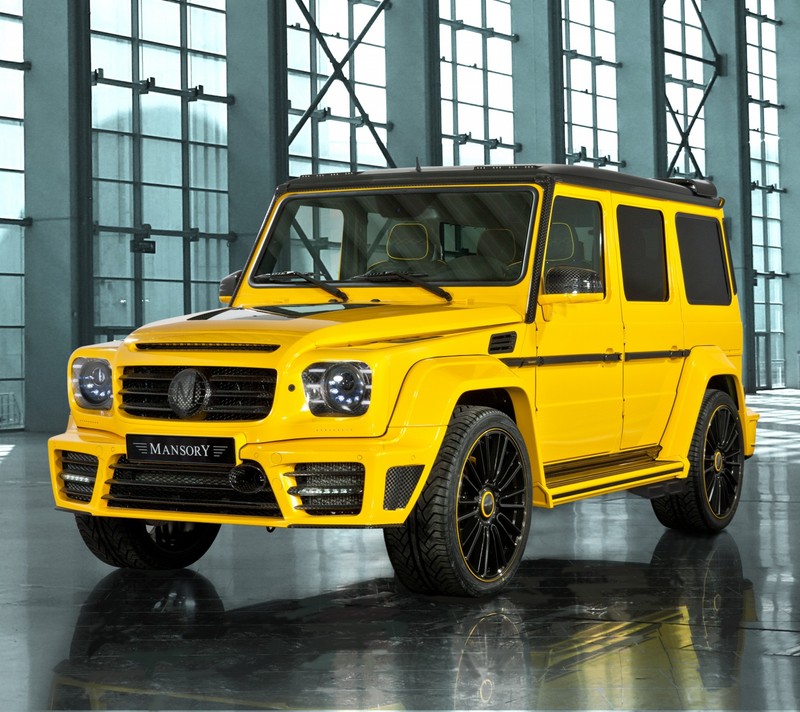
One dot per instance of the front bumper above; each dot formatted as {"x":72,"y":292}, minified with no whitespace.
{"x":320,"y":482}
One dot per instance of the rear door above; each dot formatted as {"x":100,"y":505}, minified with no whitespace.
{"x":652,"y":320}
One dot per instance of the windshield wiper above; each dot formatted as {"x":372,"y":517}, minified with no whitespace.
{"x":413,"y":277}
{"x":286,"y":276}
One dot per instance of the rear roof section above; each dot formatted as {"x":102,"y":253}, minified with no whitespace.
{"x":685,"y":190}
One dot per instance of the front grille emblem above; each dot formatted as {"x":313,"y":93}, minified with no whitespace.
{"x":189,"y":393}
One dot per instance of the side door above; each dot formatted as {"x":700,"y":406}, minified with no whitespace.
{"x":578,"y":333}
{"x":652,"y":320}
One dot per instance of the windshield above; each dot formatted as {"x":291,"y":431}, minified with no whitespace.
{"x":440,"y":236}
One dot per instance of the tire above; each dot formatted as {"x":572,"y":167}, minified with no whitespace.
{"x":467,"y":532}
{"x":139,"y":544}
{"x":714,"y":483}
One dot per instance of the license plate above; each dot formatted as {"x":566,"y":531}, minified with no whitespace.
{"x":167,"y":448}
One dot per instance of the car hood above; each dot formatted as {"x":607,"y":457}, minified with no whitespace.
{"x":320,"y":325}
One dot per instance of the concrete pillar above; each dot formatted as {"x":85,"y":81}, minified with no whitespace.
{"x":58,"y":199}
{"x":640,"y":88}
{"x":413,"y":84}
{"x":538,"y":81}
{"x":728,"y":156}
{"x":788,"y":11}
{"x":258,"y":126}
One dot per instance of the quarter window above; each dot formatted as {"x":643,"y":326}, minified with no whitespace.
{"x":705,"y":275}
{"x":641,"y":245}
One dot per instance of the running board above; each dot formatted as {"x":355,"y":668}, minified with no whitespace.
{"x":580,"y":479}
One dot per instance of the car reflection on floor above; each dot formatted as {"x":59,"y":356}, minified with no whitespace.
{"x":565,"y":635}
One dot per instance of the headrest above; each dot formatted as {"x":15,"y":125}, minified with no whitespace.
{"x":408,"y":241}
{"x":499,"y":244}
{"x":561,"y":244}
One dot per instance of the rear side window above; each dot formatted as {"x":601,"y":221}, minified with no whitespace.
{"x":642,"y":252}
{"x":705,"y":273}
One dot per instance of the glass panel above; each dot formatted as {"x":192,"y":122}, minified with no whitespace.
{"x":162,"y":162}
{"x":206,"y":30}
{"x":210,"y":72}
{"x":167,"y":261}
{"x":162,"y":207}
{"x":11,"y":291}
{"x":208,"y":167}
{"x":113,"y":302}
{"x":162,"y":64}
{"x":209,"y":211}
{"x":161,"y":115}
{"x":12,"y":145}
{"x":11,"y":350}
{"x":11,"y":47}
{"x":160,"y":21}
{"x":113,"y":203}
{"x":11,"y":242}
{"x":12,"y":96}
{"x":108,"y":16}
{"x":162,"y":300}
{"x":112,"y":155}
{"x":209,"y":260}
{"x":112,"y":108}
{"x":113,"y":56}
{"x":208,"y":122}
{"x":112,"y":255}
{"x":12,"y":195}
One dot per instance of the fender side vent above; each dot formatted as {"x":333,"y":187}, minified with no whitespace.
{"x":503,"y":343}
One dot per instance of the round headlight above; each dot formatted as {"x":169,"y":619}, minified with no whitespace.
{"x":93,"y":383}
{"x":345,"y":389}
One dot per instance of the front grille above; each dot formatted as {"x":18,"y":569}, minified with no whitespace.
{"x":329,"y":487}
{"x":400,"y":485}
{"x":176,"y":487}
{"x":236,"y":393}
{"x":78,"y":473}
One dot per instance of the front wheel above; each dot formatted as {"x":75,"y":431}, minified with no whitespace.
{"x":714,"y":483}
{"x":140,"y":544}
{"x":467,"y":532}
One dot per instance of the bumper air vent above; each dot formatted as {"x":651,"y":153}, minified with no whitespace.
{"x":78,"y":473}
{"x":503,"y":343}
{"x":329,"y":488}
{"x":400,"y":485}
{"x":177,"y":487}
{"x":235,"y":394}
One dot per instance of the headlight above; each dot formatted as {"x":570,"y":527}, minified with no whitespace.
{"x":92,"y":383}
{"x":338,"y":388}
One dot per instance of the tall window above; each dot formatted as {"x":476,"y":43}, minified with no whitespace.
{"x":337,"y":85}
{"x":691,"y":65}
{"x":590,"y":82}
{"x":477,"y":94}
{"x":12,"y":211}
{"x":767,"y":192}
{"x":159,"y":163}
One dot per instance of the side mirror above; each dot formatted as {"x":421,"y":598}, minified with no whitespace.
{"x":565,"y":279}
{"x":228,"y":286}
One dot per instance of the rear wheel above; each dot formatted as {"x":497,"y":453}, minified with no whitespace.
{"x":141,"y":544}
{"x":467,"y":533}
{"x":714,"y":483}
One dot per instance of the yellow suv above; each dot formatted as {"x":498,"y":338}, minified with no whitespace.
{"x":434,"y":352}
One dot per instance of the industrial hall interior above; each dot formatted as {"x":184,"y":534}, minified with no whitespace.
{"x":141,"y":145}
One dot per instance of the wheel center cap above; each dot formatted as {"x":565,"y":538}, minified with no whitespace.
{"x":487,"y":504}
{"x":719,"y":461}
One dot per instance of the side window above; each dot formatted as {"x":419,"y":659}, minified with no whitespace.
{"x":643,"y":254}
{"x":573,"y":262}
{"x":705,"y":273}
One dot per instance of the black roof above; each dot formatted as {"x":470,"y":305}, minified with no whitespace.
{"x":688,"y":190}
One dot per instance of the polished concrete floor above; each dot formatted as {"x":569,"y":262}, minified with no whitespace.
{"x":609,"y":611}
